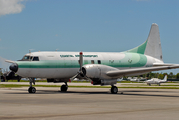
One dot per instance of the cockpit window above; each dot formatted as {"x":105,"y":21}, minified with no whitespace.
{"x":26,"y":58}
{"x":35,"y":59}
{"x":30,"y":58}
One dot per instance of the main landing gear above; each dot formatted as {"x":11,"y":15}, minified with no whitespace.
{"x":114,"y":89}
{"x":33,"y":90}
{"x":64,"y":87}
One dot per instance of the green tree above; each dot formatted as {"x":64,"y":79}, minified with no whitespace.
{"x":152,"y":75}
{"x":160,"y":76}
{"x":165,"y":74}
{"x":156,"y":75}
{"x":171,"y":75}
{"x":177,"y":76}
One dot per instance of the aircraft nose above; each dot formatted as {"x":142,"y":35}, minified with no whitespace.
{"x":14,"y":67}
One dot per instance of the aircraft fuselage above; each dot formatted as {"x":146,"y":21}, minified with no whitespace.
{"x":66,"y":64}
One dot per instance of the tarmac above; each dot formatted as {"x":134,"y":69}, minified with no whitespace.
{"x":48,"y":103}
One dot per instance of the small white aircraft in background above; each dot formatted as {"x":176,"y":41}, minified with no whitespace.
{"x":135,"y":79}
{"x":156,"y":81}
{"x":120,"y":79}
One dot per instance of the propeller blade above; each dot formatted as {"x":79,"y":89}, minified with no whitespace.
{"x":81,"y":60}
{"x":10,"y":61}
{"x":80,"y":70}
{"x":72,"y":78}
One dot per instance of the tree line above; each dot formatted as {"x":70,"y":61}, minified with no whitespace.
{"x":160,"y":75}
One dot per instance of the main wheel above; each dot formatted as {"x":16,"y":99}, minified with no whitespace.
{"x":64,"y":88}
{"x":114,"y":90}
{"x":32,"y":90}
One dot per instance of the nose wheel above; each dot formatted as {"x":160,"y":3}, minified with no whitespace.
{"x":31,"y":89}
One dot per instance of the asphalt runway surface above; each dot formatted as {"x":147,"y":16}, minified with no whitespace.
{"x":89,"y":103}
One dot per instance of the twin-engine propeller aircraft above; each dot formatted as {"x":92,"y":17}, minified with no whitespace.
{"x":156,"y":81}
{"x":101,"y":68}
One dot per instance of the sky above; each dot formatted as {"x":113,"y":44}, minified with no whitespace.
{"x":86,"y":25}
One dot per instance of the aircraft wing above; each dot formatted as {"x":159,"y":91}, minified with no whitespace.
{"x":138,"y":70}
{"x":164,"y":64}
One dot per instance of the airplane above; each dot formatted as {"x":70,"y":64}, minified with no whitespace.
{"x":135,"y":79}
{"x":120,"y":79}
{"x":101,"y":68}
{"x":156,"y":81}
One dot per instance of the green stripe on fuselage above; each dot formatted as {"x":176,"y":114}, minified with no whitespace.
{"x":130,"y":60}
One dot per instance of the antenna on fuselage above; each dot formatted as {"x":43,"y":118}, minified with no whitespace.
{"x":30,"y":50}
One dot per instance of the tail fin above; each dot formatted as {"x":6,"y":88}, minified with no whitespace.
{"x":165,"y":78}
{"x":152,"y":46}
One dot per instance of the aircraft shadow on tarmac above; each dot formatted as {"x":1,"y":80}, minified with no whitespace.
{"x":122,"y":92}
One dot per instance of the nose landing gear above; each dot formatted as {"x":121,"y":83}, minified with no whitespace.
{"x":31,"y":89}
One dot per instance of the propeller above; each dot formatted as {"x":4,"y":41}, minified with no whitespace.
{"x":11,"y":74}
{"x":80,"y":72}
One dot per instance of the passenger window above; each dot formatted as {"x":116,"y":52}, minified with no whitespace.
{"x":92,"y":61}
{"x":36,"y":59}
{"x":99,"y":61}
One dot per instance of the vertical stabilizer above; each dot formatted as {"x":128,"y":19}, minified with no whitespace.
{"x":165,"y":78}
{"x":153,"y":47}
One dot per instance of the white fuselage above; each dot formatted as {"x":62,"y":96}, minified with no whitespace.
{"x":66,"y":64}
{"x":156,"y":80}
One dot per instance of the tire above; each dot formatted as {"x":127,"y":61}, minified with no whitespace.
{"x":32,"y":90}
{"x":114,"y":90}
{"x":64,"y":88}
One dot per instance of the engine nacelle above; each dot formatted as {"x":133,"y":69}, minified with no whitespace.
{"x":97,"y":71}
